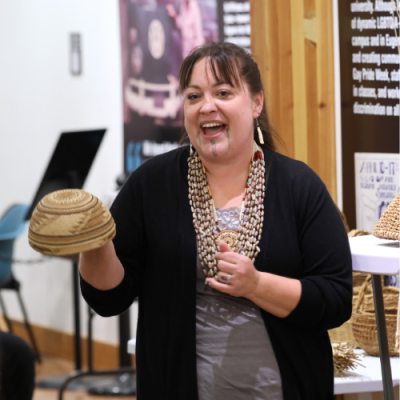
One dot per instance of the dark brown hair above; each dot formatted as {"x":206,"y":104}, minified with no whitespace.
{"x":231,"y":64}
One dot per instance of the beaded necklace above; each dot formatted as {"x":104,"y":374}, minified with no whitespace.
{"x":205,"y":220}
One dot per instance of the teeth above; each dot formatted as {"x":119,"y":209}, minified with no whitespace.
{"x":211,"y":124}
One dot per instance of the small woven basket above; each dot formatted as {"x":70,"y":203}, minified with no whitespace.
{"x":343,"y":334}
{"x":364,"y":321}
{"x":388,"y":226}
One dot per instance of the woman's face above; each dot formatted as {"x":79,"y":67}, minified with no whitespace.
{"x":219,"y":117}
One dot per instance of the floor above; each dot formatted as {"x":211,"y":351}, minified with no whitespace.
{"x":51,"y":366}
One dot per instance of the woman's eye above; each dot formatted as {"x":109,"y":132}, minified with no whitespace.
{"x":192,"y":96}
{"x":224,"y":93}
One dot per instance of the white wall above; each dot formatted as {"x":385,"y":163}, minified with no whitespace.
{"x":39,"y":99}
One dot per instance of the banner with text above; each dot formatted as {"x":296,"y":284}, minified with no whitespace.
{"x":369,"y":81}
{"x":156,"y":35}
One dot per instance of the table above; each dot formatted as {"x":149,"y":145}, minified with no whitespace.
{"x":378,"y":257}
{"x":368,"y":379}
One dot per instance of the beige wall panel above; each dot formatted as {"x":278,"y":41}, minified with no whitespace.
{"x":299,"y":82}
{"x":271,"y":45}
{"x":313,"y":154}
{"x":326,"y":95}
{"x":293,"y":43}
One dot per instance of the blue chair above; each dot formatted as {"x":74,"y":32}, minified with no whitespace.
{"x":12,"y":225}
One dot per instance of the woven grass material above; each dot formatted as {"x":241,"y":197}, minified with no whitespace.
{"x":364,"y":321}
{"x":388,"y":226}
{"x":344,"y":358}
{"x":357,"y":232}
{"x":69,"y":222}
{"x":344,"y":333}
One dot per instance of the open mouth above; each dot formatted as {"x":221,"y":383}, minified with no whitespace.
{"x":212,"y":129}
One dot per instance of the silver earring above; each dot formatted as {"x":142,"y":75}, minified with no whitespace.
{"x":260,"y":135}
{"x":191,"y":148}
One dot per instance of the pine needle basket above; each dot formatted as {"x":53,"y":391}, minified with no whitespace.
{"x":388,"y":226}
{"x":364,"y":321}
{"x":344,"y":333}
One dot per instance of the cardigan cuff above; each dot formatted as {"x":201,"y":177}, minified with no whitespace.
{"x":104,"y":298}
{"x":310,"y":307}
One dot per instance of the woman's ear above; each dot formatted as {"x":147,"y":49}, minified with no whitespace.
{"x":258,"y":104}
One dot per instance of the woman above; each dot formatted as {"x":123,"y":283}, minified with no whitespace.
{"x":245,"y":317}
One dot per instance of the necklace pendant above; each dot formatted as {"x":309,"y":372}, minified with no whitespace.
{"x":228,"y":236}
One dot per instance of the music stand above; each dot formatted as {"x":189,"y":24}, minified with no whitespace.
{"x":70,"y":163}
{"x":68,"y":168}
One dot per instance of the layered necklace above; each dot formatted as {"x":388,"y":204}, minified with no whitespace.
{"x":205,"y":220}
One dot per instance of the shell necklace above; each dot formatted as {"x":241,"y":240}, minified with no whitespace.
{"x":205,"y":221}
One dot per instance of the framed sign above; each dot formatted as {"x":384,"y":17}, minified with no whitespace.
{"x":377,"y":184}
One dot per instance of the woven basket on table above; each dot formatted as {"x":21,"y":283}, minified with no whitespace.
{"x":364,"y":321}
{"x":344,"y":333}
{"x":388,"y":226}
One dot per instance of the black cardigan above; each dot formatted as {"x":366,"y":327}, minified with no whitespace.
{"x":303,"y":238}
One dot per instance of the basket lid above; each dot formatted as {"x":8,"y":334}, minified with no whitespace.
{"x":68,"y":222}
{"x":388,"y":226}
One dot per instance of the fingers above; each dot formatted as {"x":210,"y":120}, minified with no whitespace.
{"x":227,"y":254}
{"x":230,"y":257}
{"x":227,"y":267}
{"x":224,"y":246}
{"x":222,"y":287}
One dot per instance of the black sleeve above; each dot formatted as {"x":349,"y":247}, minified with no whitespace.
{"x":326,"y":281}
{"x":130,"y":246}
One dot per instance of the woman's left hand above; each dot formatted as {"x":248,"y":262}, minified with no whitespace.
{"x":237,"y":275}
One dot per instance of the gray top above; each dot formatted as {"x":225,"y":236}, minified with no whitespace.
{"x":235,"y":359}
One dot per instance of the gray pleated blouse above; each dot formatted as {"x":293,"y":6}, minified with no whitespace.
{"x":235,"y":359}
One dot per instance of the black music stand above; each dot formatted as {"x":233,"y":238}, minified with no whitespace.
{"x":68,"y":168}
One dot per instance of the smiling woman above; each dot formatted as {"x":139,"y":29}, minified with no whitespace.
{"x":225,"y":243}
{"x":232,"y":69}
{"x":218,"y":116}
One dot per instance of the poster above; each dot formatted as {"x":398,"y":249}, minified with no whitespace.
{"x":377,"y":180}
{"x":369,"y":87}
{"x":156,"y":35}
{"x":377,"y":184}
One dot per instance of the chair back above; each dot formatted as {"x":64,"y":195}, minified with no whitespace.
{"x":12,"y":224}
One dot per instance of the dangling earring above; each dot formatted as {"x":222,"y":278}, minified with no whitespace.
{"x":191,"y":148}
{"x":260,"y":135}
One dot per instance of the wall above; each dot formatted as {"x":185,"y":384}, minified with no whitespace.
{"x":39,"y":99}
{"x":293,"y":43}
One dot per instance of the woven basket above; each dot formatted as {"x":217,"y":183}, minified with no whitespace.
{"x":344,"y":333}
{"x":364,"y":321}
{"x":69,"y":222}
{"x":388,"y":226}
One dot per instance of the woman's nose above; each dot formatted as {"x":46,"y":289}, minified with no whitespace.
{"x":208,"y":105}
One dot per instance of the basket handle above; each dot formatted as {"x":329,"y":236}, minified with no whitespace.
{"x":363,"y":289}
